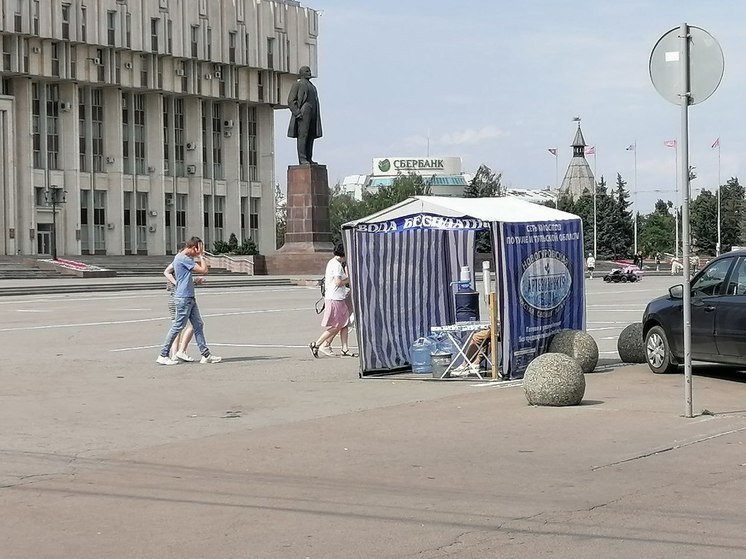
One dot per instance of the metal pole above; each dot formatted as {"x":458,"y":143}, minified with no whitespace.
{"x":595,"y":210}
{"x":678,"y":199}
{"x":634,"y":201}
{"x":53,"y":193}
{"x":719,"y":247}
{"x":685,"y":233}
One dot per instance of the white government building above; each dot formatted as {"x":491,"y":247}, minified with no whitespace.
{"x":154,"y":117}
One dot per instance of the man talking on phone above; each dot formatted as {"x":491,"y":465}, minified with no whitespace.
{"x":188,"y":261}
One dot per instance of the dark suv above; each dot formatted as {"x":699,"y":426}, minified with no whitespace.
{"x":718,"y":318}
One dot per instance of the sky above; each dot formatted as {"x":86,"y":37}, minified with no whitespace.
{"x":499,"y":83}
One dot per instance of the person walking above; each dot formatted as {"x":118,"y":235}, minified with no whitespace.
{"x":186,"y":262}
{"x":590,"y":264}
{"x":179,"y":347}
{"x":336,"y":310}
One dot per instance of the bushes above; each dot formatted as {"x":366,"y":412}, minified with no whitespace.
{"x":231,"y":247}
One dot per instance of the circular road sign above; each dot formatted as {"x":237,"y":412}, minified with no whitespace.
{"x":706,"y":65}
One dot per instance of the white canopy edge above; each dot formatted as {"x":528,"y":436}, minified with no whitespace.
{"x":505,"y":209}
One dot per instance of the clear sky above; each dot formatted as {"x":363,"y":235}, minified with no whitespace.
{"x":499,"y":83}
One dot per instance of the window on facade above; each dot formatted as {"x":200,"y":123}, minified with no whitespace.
{"x":18,"y":17}
{"x":167,"y":135}
{"x":35,"y":17}
{"x":85,"y":246}
{"x":254,"y":219}
{"x":55,"y":48}
{"x":97,"y":129}
{"x":260,"y":86}
{"x":139,"y":130}
{"x":111,"y":27}
{"x":209,"y":43}
{"x":206,"y":223}
{"x":65,"y":21}
{"x":179,"y":137}
{"x":232,"y":47}
{"x":40,"y":199}
{"x":53,"y":123}
{"x":181,"y":211}
{"x":73,"y":61}
{"x":99,"y":221}
{"x":252,"y":144}
{"x":126,"y":130}
{"x":141,"y":216}
{"x":154,"y":34}
{"x":7,"y":52}
{"x":247,"y":50}
{"x":26,"y":48}
{"x":36,"y":123}
{"x":205,"y":140}
{"x":195,"y":40}
{"x":127,"y":222}
{"x":270,"y":53}
{"x":144,"y":63}
{"x":219,"y":211}
{"x":100,"y":68}
{"x":169,"y":37}
{"x":128,"y":30}
{"x":83,"y":24}
{"x":82,"y":131}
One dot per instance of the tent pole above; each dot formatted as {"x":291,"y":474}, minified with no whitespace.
{"x":493,"y":334}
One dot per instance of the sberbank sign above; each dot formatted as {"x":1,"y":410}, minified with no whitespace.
{"x":385,"y":165}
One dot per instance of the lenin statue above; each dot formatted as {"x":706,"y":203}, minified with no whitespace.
{"x":305,"y":121}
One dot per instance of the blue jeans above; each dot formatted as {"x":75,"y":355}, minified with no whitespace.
{"x":186,"y":309}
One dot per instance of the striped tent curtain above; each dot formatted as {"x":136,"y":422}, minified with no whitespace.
{"x":401,"y":286}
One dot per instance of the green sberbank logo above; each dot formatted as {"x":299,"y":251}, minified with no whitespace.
{"x":384,"y":165}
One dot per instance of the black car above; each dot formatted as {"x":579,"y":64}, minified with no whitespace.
{"x":718,"y":318}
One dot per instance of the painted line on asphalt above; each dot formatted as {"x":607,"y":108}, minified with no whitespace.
{"x":259,"y":346}
{"x":142,"y":320}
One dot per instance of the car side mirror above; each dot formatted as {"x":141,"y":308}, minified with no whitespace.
{"x":676,"y":291}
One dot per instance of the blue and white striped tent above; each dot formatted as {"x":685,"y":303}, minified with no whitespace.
{"x":402,"y":261}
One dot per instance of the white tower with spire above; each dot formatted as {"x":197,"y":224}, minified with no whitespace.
{"x":579,"y":177}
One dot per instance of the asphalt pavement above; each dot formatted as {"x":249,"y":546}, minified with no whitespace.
{"x":275,"y":454}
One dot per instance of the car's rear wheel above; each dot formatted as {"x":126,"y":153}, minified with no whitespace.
{"x":623,"y":279}
{"x":658,"y":352}
{"x":607,"y":279}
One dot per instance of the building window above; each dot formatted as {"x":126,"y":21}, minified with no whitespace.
{"x":167,"y":167}
{"x":270,"y":53}
{"x":73,"y":61}
{"x":7,"y":52}
{"x":35,"y":17}
{"x":232,"y":47}
{"x":245,"y":234}
{"x":205,"y":140}
{"x":126,"y":156}
{"x":83,"y":24}
{"x":154,"y":34}
{"x":53,"y":138}
{"x":139,"y":130}
{"x":209,"y":43}
{"x":144,"y":62}
{"x":111,"y":27}
{"x":260,"y":86}
{"x":83,"y":134}
{"x":127,"y":223}
{"x":85,"y":246}
{"x":40,"y":199}
{"x":128,"y":30}
{"x":179,"y":137}
{"x":219,"y":210}
{"x":65,"y":21}
{"x":99,"y":221}
{"x":141,"y":217}
{"x":206,"y":224}
{"x":217,"y":148}
{"x":18,"y":17}
{"x":254,"y":219}
{"x":252,"y":145}
{"x":55,"y":59}
{"x":181,"y":212}
{"x":247,"y":50}
{"x":97,"y":129}
{"x":36,"y":124}
{"x":100,"y":68}
{"x":169,"y":37}
{"x":195,"y":40}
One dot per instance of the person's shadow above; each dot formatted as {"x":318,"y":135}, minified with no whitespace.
{"x":251,"y":358}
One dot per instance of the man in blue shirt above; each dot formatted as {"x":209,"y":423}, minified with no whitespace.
{"x":185,"y":263}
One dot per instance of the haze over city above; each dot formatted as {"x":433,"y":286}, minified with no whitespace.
{"x":499,"y":84}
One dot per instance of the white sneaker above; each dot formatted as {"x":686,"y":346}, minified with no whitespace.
{"x":183,"y":356}
{"x":210,"y":359}
{"x":166,"y":360}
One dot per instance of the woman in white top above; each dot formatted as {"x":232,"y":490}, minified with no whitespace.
{"x":336,"y":310}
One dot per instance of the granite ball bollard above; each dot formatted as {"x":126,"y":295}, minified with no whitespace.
{"x":554,"y":379}
{"x":631,"y":344}
{"x":576,"y":344}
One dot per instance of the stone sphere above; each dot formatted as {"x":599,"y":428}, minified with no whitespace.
{"x":576,"y":344}
{"x":631,"y":344}
{"x":554,"y":379}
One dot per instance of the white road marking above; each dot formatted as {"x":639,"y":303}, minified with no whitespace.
{"x":260,"y":346}
{"x":604,"y":328}
{"x":33,"y":310}
{"x":140,"y":320}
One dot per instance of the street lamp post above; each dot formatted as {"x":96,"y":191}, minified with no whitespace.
{"x":54,"y":196}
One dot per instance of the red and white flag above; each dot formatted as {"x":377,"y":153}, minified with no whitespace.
{"x":590,"y":150}
{"x":630,"y":147}
{"x":715,"y":144}
{"x":553,"y":151}
{"x":670,"y":143}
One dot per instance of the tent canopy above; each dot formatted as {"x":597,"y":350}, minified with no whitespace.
{"x":503,"y":209}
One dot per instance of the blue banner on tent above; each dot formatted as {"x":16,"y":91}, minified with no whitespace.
{"x":543,"y":266}
{"x":422,"y":221}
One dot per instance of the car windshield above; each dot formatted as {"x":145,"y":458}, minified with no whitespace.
{"x":711,"y":280}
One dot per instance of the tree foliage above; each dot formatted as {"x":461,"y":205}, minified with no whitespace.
{"x":485,"y":184}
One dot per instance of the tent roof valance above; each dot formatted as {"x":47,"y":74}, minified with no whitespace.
{"x":505,"y":209}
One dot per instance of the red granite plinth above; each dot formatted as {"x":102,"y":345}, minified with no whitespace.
{"x":308,"y":240}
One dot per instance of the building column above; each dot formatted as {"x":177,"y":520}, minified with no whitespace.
{"x":23,"y":178}
{"x":231,"y":166}
{"x":69,"y":216}
{"x":193,"y":130}
{"x":154,"y":158}
{"x":266,"y":171}
{"x":113,"y":169}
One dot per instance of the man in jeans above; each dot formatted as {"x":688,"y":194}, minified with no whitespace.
{"x":185,"y":263}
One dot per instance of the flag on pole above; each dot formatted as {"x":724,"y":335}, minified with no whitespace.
{"x":630,"y":147}
{"x":670,"y":143}
{"x":715,"y":144}
{"x":590,"y":150}
{"x":553,"y":151}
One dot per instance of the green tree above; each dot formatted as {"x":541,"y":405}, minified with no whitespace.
{"x":733,"y":229}
{"x":403,"y":187}
{"x":703,"y":219}
{"x":485,"y":184}
{"x":343,"y":208}
{"x":281,"y":217}
{"x":656,"y":233}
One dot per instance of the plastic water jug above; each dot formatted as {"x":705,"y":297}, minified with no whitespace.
{"x":464,"y":280}
{"x":419,"y":355}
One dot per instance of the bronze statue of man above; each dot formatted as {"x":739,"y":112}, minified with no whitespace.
{"x":305,"y":120}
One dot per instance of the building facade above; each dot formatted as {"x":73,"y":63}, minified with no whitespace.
{"x":154,"y":118}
